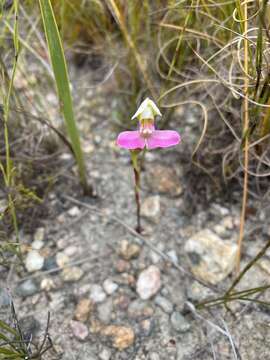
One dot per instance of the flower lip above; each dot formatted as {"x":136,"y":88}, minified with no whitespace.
{"x":147,"y":110}
{"x":146,"y":128}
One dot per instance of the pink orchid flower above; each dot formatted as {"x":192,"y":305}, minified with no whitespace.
{"x":147,"y":136}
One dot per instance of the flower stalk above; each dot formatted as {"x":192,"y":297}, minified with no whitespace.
{"x":137,"y":174}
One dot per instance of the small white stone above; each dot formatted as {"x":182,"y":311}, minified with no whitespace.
{"x":109,"y":286}
{"x":72,"y":274}
{"x":148,"y":283}
{"x":97,"y":294}
{"x":71,"y":250}
{"x":39,"y":234}
{"x":151,"y":207}
{"x":34,"y":261}
{"x":74,"y":211}
{"x":37,"y":245}
{"x":105,"y":354}
{"x":173,"y":256}
{"x":47,"y":284}
{"x":61,"y":259}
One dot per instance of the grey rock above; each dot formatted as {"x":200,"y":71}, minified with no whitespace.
{"x":211,"y":258}
{"x":30,"y":326}
{"x":139,"y":309}
{"x":179,"y":323}
{"x":105,"y":311}
{"x":164,"y":304}
{"x":4,"y":298}
{"x":27,"y":288}
{"x":50,"y":264}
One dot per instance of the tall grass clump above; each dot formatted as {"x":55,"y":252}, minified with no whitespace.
{"x":23,"y":176}
{"x":63,"y":84}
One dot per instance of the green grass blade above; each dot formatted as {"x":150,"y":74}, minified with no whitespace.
{"x":62,"y":82}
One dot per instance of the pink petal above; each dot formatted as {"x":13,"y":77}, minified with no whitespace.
{"x":163,"y":138}
{"x":130,"y":140}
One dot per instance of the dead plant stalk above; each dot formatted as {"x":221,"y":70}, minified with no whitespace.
{"x":246,"y":141}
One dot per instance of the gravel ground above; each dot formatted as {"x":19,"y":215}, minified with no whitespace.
{"x":112,"y":296}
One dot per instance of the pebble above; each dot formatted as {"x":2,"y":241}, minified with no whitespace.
{"x":110,"y":286}
{"x":163,"y":179}
{"x":30,"y":326}
{"x":74,"y":211}
{"x":220,"y":210}
{"x":129,"y":251}
{"x":27,"y":288}
{"x":34,"y":261}
{"x":80,"y":331}
{"x":212,"y":259}
{"x":95,"y":326}
{"x":70,"y":274}
{"x":149,"y":282}
{"x":105,"y":310}
{"x":179,"y":323}
{"x":125,"y":279}
{"x":57,"y":301}
{"x":139,"y":309}
{"x":228,"y":222}
{"x":71,"y":250}
{"x":105,"y":354}
{"x":146,"y":327}
{"x":37,"y":245}
{"x":164,"y":304}
{"x":173,"y":256}
{"x":47,"y":284}
{"x":97,"y":294}
{"x":122,"y":266}
{"x":197,"y":292}
{"x":50,"y":264}
{"x":39,"y":234}
{"x":83,"y":310}
{"x":122,"y":336}
{"x":122,"y":302}
{"x":151,"y":208}
{"x":154,"y":356}
{"x":4,"y":298}
{"x":62,"y":259}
